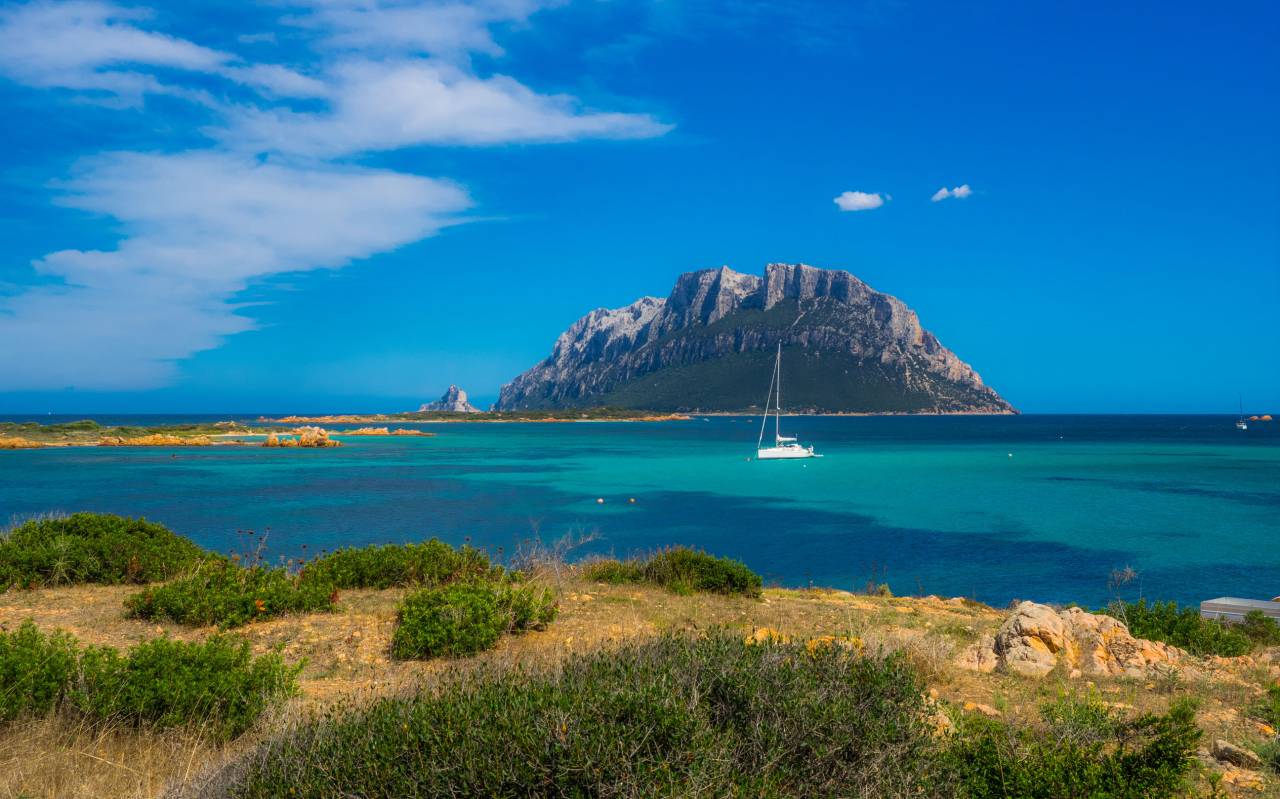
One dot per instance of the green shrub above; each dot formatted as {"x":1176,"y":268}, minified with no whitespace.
{"x":672,"y":717}
{"x":35,"y":670}
{"x":216,"y":685}
{"x":615,"y":572}
{"x":431,"y":563}
{"x":1270,"y":754}
{"x":93,"y":548}
{"x":1182,"y":627}
{"x":465,"y":618}
{"x":1260,"y":628}
{"x":1085,"y":750}
{"x":228,"y":595}
{"x":681,"y":570}
{"x":1268,"y":710}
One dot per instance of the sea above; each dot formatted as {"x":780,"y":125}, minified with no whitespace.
{"x":1043,"y":507}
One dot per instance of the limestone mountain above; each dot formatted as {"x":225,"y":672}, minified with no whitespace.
{"x":709,"y":346}
{"x":454,"y":401}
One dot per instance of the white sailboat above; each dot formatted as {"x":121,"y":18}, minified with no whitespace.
{"x":784,"y":447}
{"x":1241,"y":424}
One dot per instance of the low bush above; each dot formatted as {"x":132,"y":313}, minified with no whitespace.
{"x":216,"y":685}
{"x":93,"y":548}
{"x":430,"y":563}
{"x":1270,"y":754}
{"x":672,"y":717}
{"x":1182,"y":627}
{"x":35,"y":670}
{"x":1268,"y":709}
{"x":1085,"y":749}
{"x":681,"y":570}
{"x":465,"y":618}
{"x":1260,"y":628}
{"x":228,"y":595}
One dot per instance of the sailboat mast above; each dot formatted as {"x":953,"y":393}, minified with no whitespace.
{"x":777,"y":419}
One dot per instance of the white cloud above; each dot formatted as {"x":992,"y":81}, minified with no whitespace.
{"x":91,"y":46}
{"x":199,"y":228}
{"x":959,"y":192}
{"x":451,"y":28}
{"x":858,"y":201}
{"x":100,"y":48}
{"x":379,"y":106}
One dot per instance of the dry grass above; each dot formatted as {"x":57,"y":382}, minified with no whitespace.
{"x":346,"y":655}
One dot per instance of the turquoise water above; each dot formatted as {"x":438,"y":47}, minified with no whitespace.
{"x":1040,"y":507}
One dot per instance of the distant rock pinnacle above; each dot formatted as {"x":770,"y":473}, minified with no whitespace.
{"x":454,"y":401}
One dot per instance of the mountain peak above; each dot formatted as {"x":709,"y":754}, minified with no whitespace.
{"x":847,"y":347}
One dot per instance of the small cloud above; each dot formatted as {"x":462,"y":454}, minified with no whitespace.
{"x":959,"y":192}
{"x":859,"y":201}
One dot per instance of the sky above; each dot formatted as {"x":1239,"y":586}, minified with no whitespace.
{"x":349,"y":205}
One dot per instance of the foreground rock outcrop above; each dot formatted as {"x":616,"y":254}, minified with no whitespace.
{"x":710,"y":346}
{"x":453,"y":401}
{"x":1036,"y":639}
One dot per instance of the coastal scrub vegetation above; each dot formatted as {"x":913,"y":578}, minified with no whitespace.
{"x":1083,"y":748}
{"x":217,"y":684}
{"x":35,"y":670}
{"x":1268,"y":709}
{"x":430,"y":563}
{"x":679,"y":569}
{"x":706,"y":715}
{"x":88,"y":431}
{"x":230,"y":595}
{"x":1183,"y":627}
{"x":93,"y":548}
{"x":465,"y":618}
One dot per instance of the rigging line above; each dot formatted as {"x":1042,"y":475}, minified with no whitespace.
{"x":764,"y":420}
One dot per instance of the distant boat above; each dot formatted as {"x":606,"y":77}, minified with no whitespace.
{"x":1241,"y":424}
{"x":784,"y":447}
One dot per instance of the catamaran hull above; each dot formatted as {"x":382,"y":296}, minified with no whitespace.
{"x":785,"y":453}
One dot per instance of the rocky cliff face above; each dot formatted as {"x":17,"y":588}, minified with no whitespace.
{"x":454,"y":401}
{"x":709,"y":346}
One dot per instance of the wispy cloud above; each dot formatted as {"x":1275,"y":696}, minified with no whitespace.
{"x":450,"y":28}
{"x":270,"y":197}
{"x":378,"y":105}
{"x":199,"y":228}
{"x":859,"y":201}
{"x":92,"y":47}
{"x":959,"y":193}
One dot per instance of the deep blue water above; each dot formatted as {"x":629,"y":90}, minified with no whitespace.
{"x":1040,"y":507}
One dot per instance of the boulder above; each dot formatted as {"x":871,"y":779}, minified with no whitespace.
{"x":1227,"y":752}
{"x":1029,"y":641}
{"x":1035,"y":639}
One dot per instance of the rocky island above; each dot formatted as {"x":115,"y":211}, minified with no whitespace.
{"x":453,"y":401}
{"x":709,"y":347}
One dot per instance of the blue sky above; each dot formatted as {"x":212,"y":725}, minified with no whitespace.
{"x":348,"y":205}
